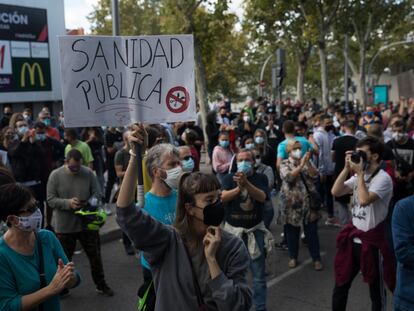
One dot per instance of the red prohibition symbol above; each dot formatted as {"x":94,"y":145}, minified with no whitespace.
{"x":177,"y":99}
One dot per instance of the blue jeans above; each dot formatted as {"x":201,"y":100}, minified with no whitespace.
{"x":311,"y":233}
{"x":258,"y":267}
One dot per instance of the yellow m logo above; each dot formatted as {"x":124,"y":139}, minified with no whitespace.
{"x":31,"y":68}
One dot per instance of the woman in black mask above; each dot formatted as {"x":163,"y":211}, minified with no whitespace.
{"x":195,"y":265}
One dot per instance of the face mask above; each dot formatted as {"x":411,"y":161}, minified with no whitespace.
{"x":74,"y":169}
{"x":370,"y":114}
{"x":41,"y":137}
{"x":173,"y":177}
{"x":244,"y":166}
{"x":187,"y":165}
{"x":224,"y":143}
{"x":249,"y":146}
{"x":8,"y":114}
{"x":258,"y":160}
{"x":26,"y":117}
{"x":46,"y":122}
{"x":329,"y":128}
{"x":213,"y":214}
{"x":399,"y":136}
{"x":246,"y":118}
{"x":297,"y":154}
{"x":32,"y":222}
{"x":259,"y":140}
{"x":22,"y":130}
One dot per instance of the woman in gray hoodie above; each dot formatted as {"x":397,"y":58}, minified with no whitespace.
{"x":195,"y":265}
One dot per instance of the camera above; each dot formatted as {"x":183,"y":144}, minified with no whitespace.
{"x":358,"y":155}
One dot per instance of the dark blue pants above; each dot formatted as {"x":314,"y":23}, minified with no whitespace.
{"x":325,"y":191}
{"x":311,"y":233}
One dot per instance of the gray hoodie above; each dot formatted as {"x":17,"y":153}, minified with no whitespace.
{"x":165,"y":252}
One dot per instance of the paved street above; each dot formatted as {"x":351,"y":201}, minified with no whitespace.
{"x":289,"y":290}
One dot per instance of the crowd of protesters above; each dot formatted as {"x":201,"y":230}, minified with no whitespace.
{"x":349,"y":166}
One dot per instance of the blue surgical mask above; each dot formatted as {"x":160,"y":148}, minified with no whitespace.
{"x":259,"y":140}
{"x":244,"y":166}
{"x":249,"y":146}
{"x":22,"y":130}
{"x":46,"y":122}
{"x":187,"y":165}
{"x":224,"y":143}
{"x":41,"y":137}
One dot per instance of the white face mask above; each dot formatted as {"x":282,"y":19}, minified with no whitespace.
{"x":246,"y":118}
{"x":297,"y":154}
{"x":399,"y":136}
{"x":32,"y":222}
{"x":173,"y":177}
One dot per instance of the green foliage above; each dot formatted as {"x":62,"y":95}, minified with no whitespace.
{"x":222,"y":47}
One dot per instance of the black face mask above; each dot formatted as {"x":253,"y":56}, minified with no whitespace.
{"x":213,"y":213}
{"x":330,"y":128}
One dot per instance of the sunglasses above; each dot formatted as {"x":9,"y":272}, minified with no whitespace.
{"x":188,"y":158}
{"x":31,"y":208}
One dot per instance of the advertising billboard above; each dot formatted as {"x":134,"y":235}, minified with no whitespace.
{"x":380,"y":94}
{"x":29,"y":69}
{"x":24,"y":49}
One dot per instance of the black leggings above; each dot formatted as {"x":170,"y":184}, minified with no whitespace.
{"x":376,"y":288}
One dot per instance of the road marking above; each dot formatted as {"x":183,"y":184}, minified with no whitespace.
{"x":283,"y":276}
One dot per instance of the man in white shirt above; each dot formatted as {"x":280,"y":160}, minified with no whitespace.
{"x":359,"y":243}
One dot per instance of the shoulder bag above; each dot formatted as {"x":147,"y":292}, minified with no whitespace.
{"x":315,"y":200}
{"x":42,"y":276}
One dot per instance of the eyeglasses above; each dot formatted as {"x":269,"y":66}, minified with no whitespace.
{"x":31,"y":208}
{"x":186,"y":158}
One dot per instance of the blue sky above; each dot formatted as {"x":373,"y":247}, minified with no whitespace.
{"x":76,"y":12}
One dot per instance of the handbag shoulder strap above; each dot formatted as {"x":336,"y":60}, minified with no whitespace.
{"x":200,"y":299}
{"x":304,"y":182}
{"x":42,"y":275}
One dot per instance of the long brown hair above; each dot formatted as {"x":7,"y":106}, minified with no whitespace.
{"x":191,"y":184}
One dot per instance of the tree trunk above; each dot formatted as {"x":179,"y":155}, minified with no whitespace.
{"x":201,"y":87}
{"x":300,"y":88}
{"x":324,"y":74}
{"x":362,"y":78}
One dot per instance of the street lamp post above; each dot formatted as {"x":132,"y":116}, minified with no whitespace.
{"x":262,"y":74}
{"x":115,"y":18}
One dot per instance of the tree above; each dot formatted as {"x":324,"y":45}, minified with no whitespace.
{"x":370,"y":24}
{"x":319,"y":16}
{"x":281,"y":23}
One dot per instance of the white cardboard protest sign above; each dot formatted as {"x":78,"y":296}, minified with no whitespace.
{"x":116,"y":81}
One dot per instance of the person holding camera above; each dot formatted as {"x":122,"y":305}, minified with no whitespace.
{"x":362,"y":244}
{"x":403,"y":148}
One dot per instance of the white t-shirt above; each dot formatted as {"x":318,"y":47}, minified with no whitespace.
{"x":370,"y":216}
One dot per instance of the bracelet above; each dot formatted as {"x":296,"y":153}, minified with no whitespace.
{"x":132,"y":153}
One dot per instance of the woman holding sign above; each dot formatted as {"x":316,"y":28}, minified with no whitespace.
{"x":196,"y":266}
